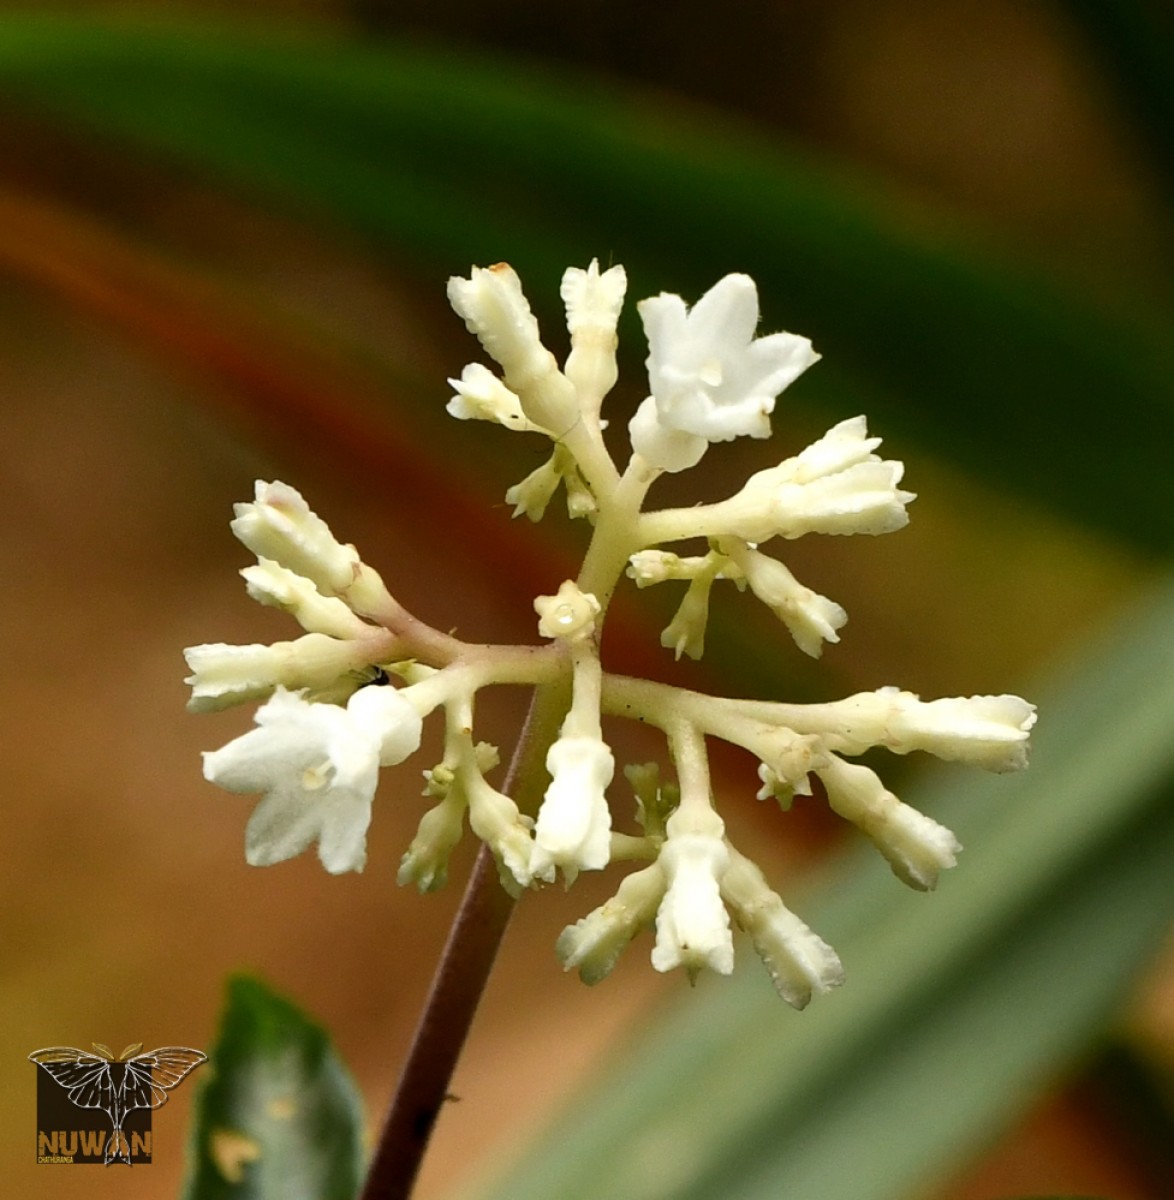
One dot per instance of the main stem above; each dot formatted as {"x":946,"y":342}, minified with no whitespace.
{"x":486,"y":908}
{"x":461,"y":976}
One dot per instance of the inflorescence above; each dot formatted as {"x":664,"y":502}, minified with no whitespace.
{"x":325,"y":729}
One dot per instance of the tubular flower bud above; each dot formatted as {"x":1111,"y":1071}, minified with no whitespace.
{"x":276,"y":586}
{"x":916,"y":847}
{"x":799,"y":962}
{"x":495,"y":819}
{"x":812,"y":619}
{"x":496,"y":311}
{"x":224,"y":675}
{"x":425,"y":863}
{"x":594,"y":944}
{"x":593,"y":301}
{"x":573,"y":830}
{"x":481,"y":396}
{"x":685,"y":633}
{"x":279,"y":525}
{"x":835,"y":486}
{"x":692,"y":925}
{"x":988,"y":731}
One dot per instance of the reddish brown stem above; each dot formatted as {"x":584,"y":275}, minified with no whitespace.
{"x":460,"y":978}
{"x":452,"y":1003}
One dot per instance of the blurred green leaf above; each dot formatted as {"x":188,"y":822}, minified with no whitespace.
{"x":449,"y":160}
{"x":280,"y":1118}
{"x":958,"y":1007}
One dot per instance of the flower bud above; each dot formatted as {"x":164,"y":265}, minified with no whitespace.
{"x":594,"y":944}
{"x":573,"y":830}
{"x":495,"y":309}
{"x":425,"y":863}
{"x":692,"y":925}
{"x":278,"y":587}
{"x":224,"y":675}
{"x":593,"y":301}
{"x":495,"y":819}
{"x":279,"y":525}
{"x":799,"y":962}
{"x":916,"y":847}
{"x":570,"y":614}
{"x":812,"y":619}
{"x":481,"y":396}
{"x":989,"y":731}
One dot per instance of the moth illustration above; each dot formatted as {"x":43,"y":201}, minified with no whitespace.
{"x":117,"y":1085}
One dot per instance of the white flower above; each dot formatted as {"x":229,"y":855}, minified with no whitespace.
{"x":594,"y":944}
{"x":707,"y":372}
{"x":573,"y":830}
{"x":916,"y":846}
{"x":224,"y":675}
{"x":692,"y":925}
{"x":317,"y":765}
{"x":279,"y":526}
{"x":711,"y":379}
{"x":836,"y":486}
{"x":989,"y":731}
{"x":799,"y":962}
{"x":659,"y":444}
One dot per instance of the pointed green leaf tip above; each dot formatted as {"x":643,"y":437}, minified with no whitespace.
{"x":279,"y":1116}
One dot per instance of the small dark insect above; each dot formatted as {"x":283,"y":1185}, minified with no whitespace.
{"x":379,"y":679}
{"x":117,"y":1085}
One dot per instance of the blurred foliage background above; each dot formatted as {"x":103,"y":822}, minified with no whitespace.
{"x":223,"y":250}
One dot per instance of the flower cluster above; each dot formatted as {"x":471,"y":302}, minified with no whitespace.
{"x":350,"y":695}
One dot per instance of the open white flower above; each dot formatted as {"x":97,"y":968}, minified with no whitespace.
{"x":317,"y":765}
{"x":573,"y":830}
{"x":711,"y":379}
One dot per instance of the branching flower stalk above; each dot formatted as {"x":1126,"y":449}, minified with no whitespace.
{"x":350,"y":695}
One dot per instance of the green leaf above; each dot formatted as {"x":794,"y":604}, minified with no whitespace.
{"x":448,"y":160}
{"x":280,"y":1117}
{"x":958,"y":1008}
